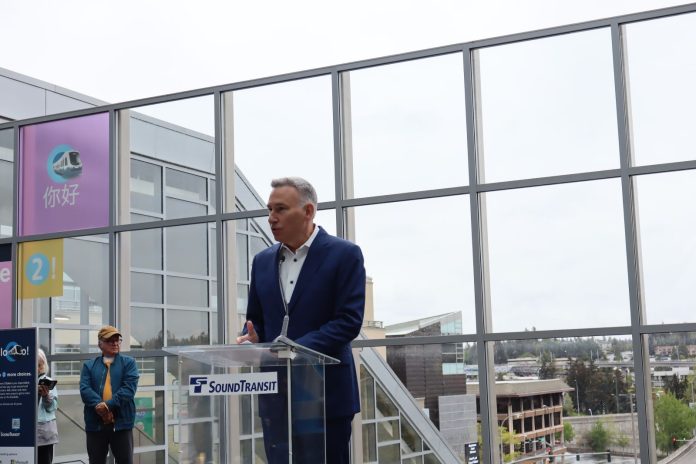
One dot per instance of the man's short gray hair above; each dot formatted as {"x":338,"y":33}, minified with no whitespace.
{"x":304,"y":188}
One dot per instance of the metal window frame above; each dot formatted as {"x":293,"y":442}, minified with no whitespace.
{"x":483,"y":337}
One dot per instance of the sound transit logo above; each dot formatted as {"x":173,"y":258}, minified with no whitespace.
{"x":198,"y":383}
{"x":258,"y":383}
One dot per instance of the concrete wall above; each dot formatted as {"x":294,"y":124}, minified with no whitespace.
{"x":619,"y":424}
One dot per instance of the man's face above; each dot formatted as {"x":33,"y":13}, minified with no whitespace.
{"x":111,"y":346}
{"x":289,"y":220}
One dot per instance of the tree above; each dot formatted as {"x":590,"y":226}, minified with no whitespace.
{"x":676,"y":387}
{"x":547,"y":369}
{"x":568,"y":431}
{"x":672,"y":419}
{"x":568,"y":408}
{"x":599,"y":436}
{"x":509,"y":441}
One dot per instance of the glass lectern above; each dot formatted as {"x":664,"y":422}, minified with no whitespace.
{"x":281,"y":382}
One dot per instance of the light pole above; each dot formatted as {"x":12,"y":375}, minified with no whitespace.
{"x":577,"y":396}
{"x":616,"y":381}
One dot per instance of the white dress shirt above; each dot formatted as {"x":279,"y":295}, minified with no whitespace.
{"x":292,"y":265}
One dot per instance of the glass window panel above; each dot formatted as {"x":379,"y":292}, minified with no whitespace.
{"x":667,"y":245}
{"x":187,"y":249}
{"x":187,"y":292}
{"x":146,"y":249}
{"x":411,"y":441}
{"x":213,"y":251}
{"x":286,"y":128}
{"x":149,"y":418}
{"x":242,"y":298}
{"x":213,"y":295}
{"x":246,"y":456}
{"x":186,"y":186}
{"x":412,"y":460}
{"x":367,"y":394}
{"x":70,"y":421}
{"x":547,"y":106}
{"x":441,"y":397}
{"x":145,"y":186}
{"x":402,"y":114}
{"x":550,"y":393}
{"x":74,"y":341}
{"x":242,"y":257}
{"x":557,"y":256}
{"x":260,"y":451}
{"x":148,"y":457}
{"x":187,"y":328}
{"x":257,"y":245}
{"x":146,"y":288}
{"x":211,"y":196}
{"x":245,"y":415}
{"x":78,"y":280}
{"x":326,"y":218}
{"x":6,"y":181}
{"x":672,"y":386}
{"x":147,"y":332}
{"x":179,"y":209}
{"x":172,"y":134}
{"x":151,"y":371}
{"x":44,"y":340}
{"x":661,"y":66}
{"x":389,"y":454}
{"x":412,"y":274}
{"x":388,"y":430}
{"x":257,"y":420}
{"x":369,"y":439}
{"x":385,"y":406}
{"x":135,"y":218}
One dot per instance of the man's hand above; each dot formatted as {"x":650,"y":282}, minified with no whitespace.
{"x":108,"y":418}
{"x":251,"y":335}
{"x":102,"y":409}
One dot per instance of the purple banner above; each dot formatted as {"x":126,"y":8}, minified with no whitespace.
{"x":64,"y":175}
{"x":5,"y":294}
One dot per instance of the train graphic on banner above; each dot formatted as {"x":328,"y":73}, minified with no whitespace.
{"x":68,"y":164}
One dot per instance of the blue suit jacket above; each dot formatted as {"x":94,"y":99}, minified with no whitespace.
{"x":326,"y":310}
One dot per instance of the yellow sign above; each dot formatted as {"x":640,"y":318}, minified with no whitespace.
{"x":41,"y":269}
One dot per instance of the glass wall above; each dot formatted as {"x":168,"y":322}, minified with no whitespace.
{"x":6,"y":181}
{"x":522,"y":204}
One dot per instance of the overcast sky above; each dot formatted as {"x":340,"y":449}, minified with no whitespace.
{"x":127,"y":50}
{"x":118,"y":51}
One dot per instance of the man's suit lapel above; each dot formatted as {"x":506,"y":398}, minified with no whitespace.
{"x":314,"y":260}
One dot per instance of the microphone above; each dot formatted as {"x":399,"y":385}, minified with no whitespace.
{"x":286,"y":319}
{"x":284,"y":329}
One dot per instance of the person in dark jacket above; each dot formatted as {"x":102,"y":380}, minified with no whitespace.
{"x":310,"y":285}
{"x":107,"y":386}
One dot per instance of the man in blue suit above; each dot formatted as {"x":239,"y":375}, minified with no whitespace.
{"x":318,"y":282}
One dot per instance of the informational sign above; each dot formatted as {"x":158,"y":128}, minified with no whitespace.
{"x":143,"y":415}
{"x":472,"y":453}
{"x":5,"y":287}
{"x":41,"y":268}
{"x":64,"y":175}
{"x":257,"y":383}
{"x":18,"y":396}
